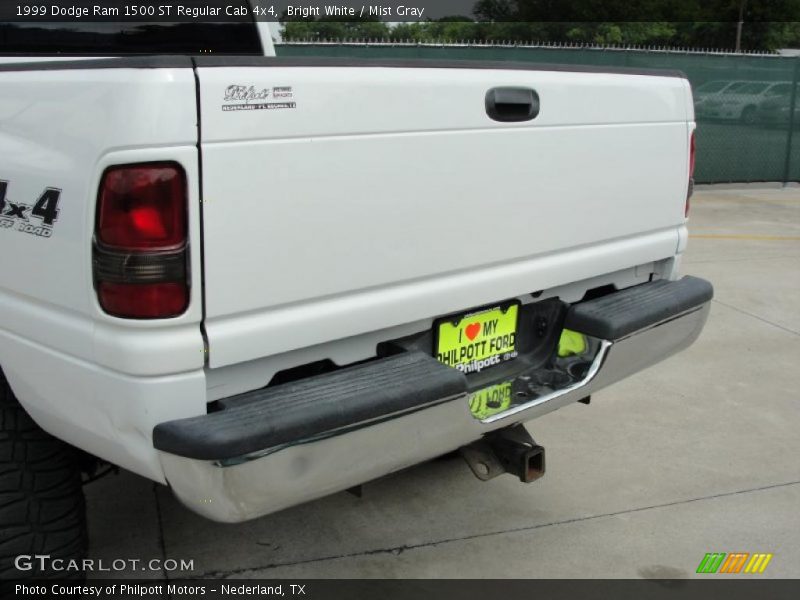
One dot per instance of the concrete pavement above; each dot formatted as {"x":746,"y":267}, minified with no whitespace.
{"x":698,"y":454}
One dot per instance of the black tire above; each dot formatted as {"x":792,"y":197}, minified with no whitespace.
{"x":749,"y":115}
{"x":42,"y":509}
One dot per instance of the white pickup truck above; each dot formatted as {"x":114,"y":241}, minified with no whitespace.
{"x":260,"y":281}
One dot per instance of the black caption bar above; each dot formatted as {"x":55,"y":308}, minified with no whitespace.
{"x":620,"y":589}
{"x":217,"y":11}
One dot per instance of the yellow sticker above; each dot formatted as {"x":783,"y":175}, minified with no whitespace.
{"x":479,"y":340}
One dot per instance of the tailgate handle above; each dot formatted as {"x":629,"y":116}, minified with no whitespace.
{"x":510,"y":104}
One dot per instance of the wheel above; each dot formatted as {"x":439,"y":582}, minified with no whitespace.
{"x":42,"y":509}
{"x":749,"y":115}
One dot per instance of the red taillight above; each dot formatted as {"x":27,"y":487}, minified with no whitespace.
{"x":692,"y":154}
{"x":142,"y":207}
{"x":143,"y":300}
{"x":139,"y":254}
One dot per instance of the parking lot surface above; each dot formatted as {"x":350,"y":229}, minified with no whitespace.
{"x":698,"y":454}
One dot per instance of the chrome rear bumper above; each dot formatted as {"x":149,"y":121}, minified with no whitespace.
{"x":305,"y":469}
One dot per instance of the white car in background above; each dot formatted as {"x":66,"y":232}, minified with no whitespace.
{"x":737,"y":101}
{"x":712,"y":89}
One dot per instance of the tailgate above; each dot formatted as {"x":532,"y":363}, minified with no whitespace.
{"x":331,"y":189}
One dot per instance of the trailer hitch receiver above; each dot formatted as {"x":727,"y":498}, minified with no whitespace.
{"x":511,"y":450}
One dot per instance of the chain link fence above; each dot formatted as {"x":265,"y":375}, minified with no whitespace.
{"x":746,"y":105}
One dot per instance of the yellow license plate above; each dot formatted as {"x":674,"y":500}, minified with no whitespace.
{"x":477,"y":341}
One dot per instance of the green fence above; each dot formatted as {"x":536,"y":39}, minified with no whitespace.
{"x":746,"y":106}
